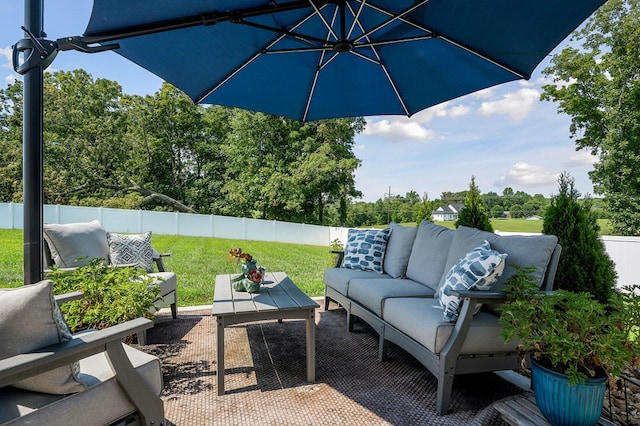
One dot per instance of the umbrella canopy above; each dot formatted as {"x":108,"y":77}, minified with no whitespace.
{"x":316,"y":59}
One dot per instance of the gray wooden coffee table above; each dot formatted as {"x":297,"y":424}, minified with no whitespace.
{"x":279,"y":298}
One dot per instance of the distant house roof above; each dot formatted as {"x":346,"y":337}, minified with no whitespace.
{"x":449,"y":209}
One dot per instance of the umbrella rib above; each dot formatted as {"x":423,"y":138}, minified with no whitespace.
{"x":384,"y":69}
{"x":393,"y":18}
{"x":483,"y":56}
{"x":356,"y":18}
{"x":448,"y":40}
{"x":324,"y":21}
{"x":253,"y":58}
{"x":320,"y":66}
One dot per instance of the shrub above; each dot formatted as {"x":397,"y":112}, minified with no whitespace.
{"x":584,"y":263}
{"x":112,"y":295}
{"x":474,"y":214}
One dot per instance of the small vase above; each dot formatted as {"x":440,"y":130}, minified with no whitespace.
{"x":238,"y":285}
{"x":250,"y":286}
{"x":247,"y":267}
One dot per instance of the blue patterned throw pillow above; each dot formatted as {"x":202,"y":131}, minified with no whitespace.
{"x":478,"y":269}
{"x":365,"y":249}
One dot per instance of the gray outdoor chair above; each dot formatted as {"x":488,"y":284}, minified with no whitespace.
{"x":75,"y":244}
{"x":113,"y":383}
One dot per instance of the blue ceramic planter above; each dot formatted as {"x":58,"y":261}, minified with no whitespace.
{"x":564,"y":405}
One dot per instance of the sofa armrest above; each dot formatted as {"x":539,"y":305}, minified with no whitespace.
{"x":68,"y":297}
{"x":108,"y":340}
{"x":25,"y":365}
{"x":478,"y":296}
{"x":157,"y":258}
{"x":339,"y":258}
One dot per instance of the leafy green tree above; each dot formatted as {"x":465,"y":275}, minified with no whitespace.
{"x":474,"y":214}
{"x":584,"y":263}
{"x":425,"y":209}
{"x":597,"y":86}
{"x":497,"y":211}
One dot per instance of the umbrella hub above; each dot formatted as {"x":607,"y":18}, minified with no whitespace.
{"x":343,"y":46}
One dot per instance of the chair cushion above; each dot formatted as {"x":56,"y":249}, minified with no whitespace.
{"x":131,"y":249}
{"x":478,"y":269}
{"x":372,"y":294}
{"x":422,"y":320}
{"x":75,"y":244}
{"x":429,"y":254}
{"x":365,"y":249}
{"x":339,"y":278}
{"x":30,"y":320}
{"x":399,"y":246}
{"x":102,"y":403}
{"x":165,"y":280}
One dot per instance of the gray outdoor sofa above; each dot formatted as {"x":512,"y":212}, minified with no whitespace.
{"x":400,"y":300}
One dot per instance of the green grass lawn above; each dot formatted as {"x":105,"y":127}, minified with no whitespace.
{"x":197,"y":260}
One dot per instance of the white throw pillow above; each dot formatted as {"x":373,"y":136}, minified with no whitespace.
{"x":365,"y":249}
{"x":30,"y":320}
{"x":75,"y":244}
{"x":131,"y":249}
{"x":478,"y":269}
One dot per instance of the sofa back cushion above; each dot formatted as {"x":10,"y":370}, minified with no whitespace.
{"x":522,"y":250}
{"x":75,"y":244}
{"x":396,"y":258}
{"x":429,"y":254}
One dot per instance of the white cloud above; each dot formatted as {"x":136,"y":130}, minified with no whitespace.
{"x":7,"y":54}
{"x":525,"y":174}
{"x":484,"y":93}
{"x":398,"y":129}
{"x":414,"y":127}
{"x":582,"y":158}
{"x":9,"y":79}
{"x":517,"y":105}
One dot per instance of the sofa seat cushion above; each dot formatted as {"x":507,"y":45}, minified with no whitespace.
{"x":421,"y":319}
{"x":429,"y":254}
{"x":372,"y":294}
{"x":338,"y":278}
{"x":166,"y":281}
{"x":102,"y":403}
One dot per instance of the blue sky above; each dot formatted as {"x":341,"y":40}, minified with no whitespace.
{"x":504,"y":136}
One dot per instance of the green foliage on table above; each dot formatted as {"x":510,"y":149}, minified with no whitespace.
{"x":569,"y":332}
{"x":584,"y":263}
{"x":112,"y":295}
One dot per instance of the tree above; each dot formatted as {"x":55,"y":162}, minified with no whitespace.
{"x":584,"y":263}
{"x":425,"y":209}
{"x":474,"y":213}
{"x":598,"y":87}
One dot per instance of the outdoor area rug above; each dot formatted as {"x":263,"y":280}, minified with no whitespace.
{"x":266,"y":384}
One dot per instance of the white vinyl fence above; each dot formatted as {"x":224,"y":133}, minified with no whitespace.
{"x":624,"y":251}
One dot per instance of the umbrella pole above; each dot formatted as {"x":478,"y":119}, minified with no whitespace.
{"x":32,"y":152}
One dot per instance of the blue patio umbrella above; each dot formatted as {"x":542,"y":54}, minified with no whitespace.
{"x":303,"y":59}
{"x":316,"y":59}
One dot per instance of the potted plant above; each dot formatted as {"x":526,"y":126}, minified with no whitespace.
{"x":572,"y":340}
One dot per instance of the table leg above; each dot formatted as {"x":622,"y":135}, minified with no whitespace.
{"x":220,"y":355}
{"x":311,"y":345}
